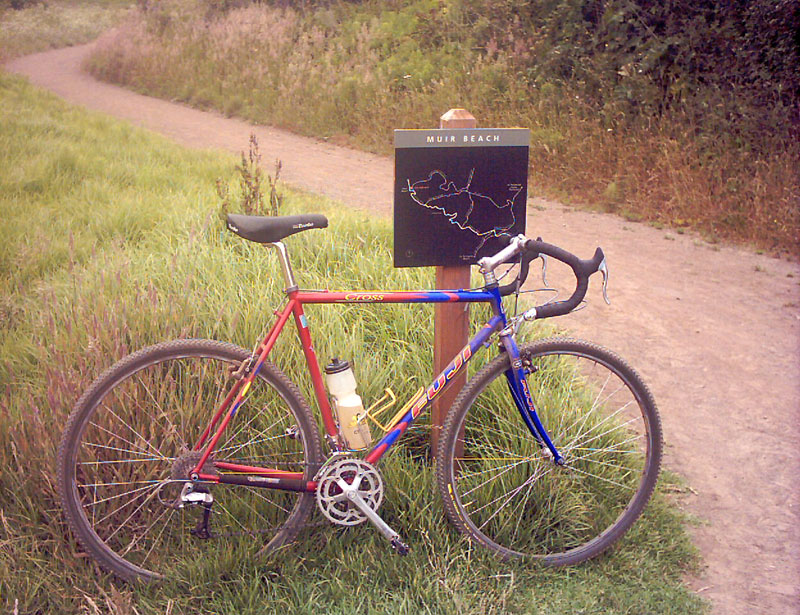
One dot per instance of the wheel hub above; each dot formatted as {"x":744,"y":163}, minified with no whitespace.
{"x":184,"y":465}
{"x":173,"y":491}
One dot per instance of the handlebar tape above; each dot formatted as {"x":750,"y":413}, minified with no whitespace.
{"x":581,"y":268}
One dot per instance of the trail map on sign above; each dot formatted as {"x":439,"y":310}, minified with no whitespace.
{"x":472,"y":211}
{"x":457,"y":192}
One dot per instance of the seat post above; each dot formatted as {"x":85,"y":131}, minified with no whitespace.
{"x":286,"y":266}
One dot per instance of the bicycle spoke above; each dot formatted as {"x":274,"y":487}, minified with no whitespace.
{"x":535,"y":476}
{"x":118,"y":461}
{"x":509,"y":495}
{"x":607,"y":480}
{"x":162,"y":412}
{"x":614,"y":448}
{"x":114,"y":497}
{"x":585,"y":415}
{"x":136,"y":433}
{"x":122,"y":450}
{"x":508,"y":498}
{"x":257,"y":493}
{"x":161,"y":533}
{"x":239,"y":447}
{"x":597,"y":436}
{"x":138,"y":508}
{"x":492,"y":478}
{"x":603,"y":463}
{"x":141,"y":536}
{"x":233,"y":518}
{"x":245,"y":426}
{"x":111,"y":433}
{"x":521,"y":506}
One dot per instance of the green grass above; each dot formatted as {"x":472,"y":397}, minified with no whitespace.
{"x":111,"y":241}
{"x":58,"y":23}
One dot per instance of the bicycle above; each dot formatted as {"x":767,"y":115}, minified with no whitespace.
{"x":551,"y":451}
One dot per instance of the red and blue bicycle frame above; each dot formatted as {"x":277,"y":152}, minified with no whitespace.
{"x":232,"y":473}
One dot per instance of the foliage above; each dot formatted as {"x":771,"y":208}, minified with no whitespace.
{"x":732,"y":66}
{"x":251,"y":180}
{"x":31,"y":26}
{"x":19,"y":4}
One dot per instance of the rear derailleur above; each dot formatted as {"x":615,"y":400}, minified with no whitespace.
{"x":197,"y":495}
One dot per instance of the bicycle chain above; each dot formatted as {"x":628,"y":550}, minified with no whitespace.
{"x":293,"y":526}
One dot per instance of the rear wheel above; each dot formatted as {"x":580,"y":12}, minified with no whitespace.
{"x":127,"y":451}
{"x":501,"y":487}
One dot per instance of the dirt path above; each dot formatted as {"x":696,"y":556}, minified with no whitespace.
{"x":715,"y":331}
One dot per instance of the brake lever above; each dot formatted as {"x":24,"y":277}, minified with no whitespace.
{"x":603,"y":268}
{"x":544,"y":268}
{"x":544,"y":265}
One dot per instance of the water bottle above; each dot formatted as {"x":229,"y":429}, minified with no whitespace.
{"x":347,"y":405}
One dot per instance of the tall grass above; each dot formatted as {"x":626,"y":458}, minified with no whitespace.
{"x":353,"y":72}
{"x":59,"y":23}
{"x":112,"y":242}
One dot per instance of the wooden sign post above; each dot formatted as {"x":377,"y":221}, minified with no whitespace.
{"x":450,"y":322}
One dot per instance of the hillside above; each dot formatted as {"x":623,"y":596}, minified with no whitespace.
{"x":679,"y":113}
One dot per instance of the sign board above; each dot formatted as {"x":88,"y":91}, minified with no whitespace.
{"x":456,"y":192}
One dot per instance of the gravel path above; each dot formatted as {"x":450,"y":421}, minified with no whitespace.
{"x":714,"y":330}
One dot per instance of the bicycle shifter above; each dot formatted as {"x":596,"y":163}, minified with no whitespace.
{"x":544,"y":268}
{"x":603,"y":268}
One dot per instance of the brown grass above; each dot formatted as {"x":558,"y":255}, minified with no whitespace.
{"x":57,"y":23}
{"x":354,"y":82}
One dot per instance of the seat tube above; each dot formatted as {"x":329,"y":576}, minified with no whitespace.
{"x":313,"y":370}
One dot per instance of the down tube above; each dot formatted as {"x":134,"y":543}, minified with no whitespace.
{"x":441,"y":382}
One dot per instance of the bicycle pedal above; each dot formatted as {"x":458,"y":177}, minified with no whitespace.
{"x":399,"y":546}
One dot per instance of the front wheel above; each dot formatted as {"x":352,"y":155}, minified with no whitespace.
{"x":501,"y":487}
{"x":129,"y":447}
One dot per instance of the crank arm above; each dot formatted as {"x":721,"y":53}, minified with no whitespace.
{"x":390,"y":535}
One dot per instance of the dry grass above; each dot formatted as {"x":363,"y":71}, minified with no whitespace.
{"x":59,"y":23}
{"x":660,"y":178}
{"x":355,"y":81}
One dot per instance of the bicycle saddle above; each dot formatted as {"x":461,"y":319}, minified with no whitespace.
{"x":263,"y":229}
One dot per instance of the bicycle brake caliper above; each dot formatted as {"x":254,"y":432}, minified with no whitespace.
{"x":238,"y":373}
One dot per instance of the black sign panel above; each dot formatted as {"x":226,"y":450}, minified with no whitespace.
{"x":456,"y":192}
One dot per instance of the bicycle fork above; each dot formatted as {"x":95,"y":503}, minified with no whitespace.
{"x":515,"y":376}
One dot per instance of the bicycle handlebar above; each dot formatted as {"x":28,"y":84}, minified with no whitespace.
{"x":522,"y":274}
{"x":531,"y":249}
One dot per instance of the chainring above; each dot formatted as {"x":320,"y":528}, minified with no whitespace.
{"x":332,"y":500}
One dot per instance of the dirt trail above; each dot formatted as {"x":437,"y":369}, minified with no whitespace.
{"x":714,"y":330}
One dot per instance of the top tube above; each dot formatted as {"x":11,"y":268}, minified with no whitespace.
{"x":378,"y":296}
